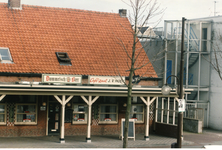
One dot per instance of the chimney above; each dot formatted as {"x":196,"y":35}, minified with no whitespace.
{"x":14,"y":4}
{"x":122,"y":12}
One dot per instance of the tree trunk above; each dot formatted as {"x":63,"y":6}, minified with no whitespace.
{"x":126,"y":127}
{"x":129,"y":95}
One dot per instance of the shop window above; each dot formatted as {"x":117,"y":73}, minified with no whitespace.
{"x":137,"y":113}
{"x":80,"y":113}
{"x":108,"y":113}
{"x":26,"y":114}
{"x":2,"y":114}
{"x":5,"y":56}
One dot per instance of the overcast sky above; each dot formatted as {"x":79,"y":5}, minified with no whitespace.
{"x":175,"y":9}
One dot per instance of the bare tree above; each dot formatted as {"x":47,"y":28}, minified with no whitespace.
{"x":143,"y":12}
{"x":215,"y":59}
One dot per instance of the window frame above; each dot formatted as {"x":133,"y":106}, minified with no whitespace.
{"x":9,"y":54}
{"x":26,"y":123}
{"x":4,"y":123}
{"x":66,"y":61}
{"x":86,"y":113}
{"x":138,"y":113}
{"x":108,"y":122}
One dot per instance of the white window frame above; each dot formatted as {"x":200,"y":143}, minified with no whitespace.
{"x":108,"y":122}
{"x":4,"y":123}
{"x":6,"y":61}
{"x":26,"y":123}
{"x":138,"y":113}
{"x":80,"y":112}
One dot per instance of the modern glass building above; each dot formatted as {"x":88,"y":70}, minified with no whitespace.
{"x":197,"y":48}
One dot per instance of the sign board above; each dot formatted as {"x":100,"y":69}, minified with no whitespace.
{"x":67,"y":79}
{"x":107,"y":80}
{"x":181,"y":105}
{"x":42,"y":108}
{"x":131,"y":129}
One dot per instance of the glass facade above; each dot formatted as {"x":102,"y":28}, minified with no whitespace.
{"x":196,"y":69}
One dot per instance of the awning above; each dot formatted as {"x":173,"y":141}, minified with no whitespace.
{"x":16,"y":89}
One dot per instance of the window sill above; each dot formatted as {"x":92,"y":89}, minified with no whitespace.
{"x":2,"y":123}
{"x":79,"y":122}
{"x":6,"y":62}
{"x":108,"y":122}
{"x":25,"y":123}
{"x":139,"y":122}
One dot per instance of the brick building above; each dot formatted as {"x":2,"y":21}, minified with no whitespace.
{"x":59,"y":73}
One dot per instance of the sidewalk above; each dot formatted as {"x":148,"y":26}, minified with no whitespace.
{"x":208,"y":137}
{"x":191,"y":140}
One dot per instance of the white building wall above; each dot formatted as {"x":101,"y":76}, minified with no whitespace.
{"x":215,"y":114}
{"x":215,"y":111}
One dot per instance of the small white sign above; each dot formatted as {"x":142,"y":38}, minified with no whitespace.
{"x":181,"y":105}
{"x":68,"y":79}
{"x":106,"y":80}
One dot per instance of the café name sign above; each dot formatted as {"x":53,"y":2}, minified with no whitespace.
{"x":107,"y":80}
{"x":67,"y":79}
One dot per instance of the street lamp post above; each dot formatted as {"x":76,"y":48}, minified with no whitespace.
{"x":180,"y":114}
{"x":166,"y":90}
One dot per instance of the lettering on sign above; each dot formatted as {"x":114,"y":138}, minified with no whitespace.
{"x":106,"y":80}
{"x":61,"y":78}
{"x":181,"y":105}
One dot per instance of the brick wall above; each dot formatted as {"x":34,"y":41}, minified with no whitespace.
{"x":40,"y":129}
{"x":12,"y":130}
{"x":14,"y":3}
{"x":105,"y":129}
{"x":14,"y":79}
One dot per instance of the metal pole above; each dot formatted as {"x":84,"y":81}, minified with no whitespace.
{"x":180,"y":114}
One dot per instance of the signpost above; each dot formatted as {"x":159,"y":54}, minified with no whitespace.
{"x":181,"y":105}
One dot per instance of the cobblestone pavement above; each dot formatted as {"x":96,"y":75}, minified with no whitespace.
{"x":191,"y":140}
{"x":112,"y":141}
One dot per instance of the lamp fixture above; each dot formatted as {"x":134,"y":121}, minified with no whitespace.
{"x":166,"y":89}
{"x":68,"y":104}
{"x":43,"y":103}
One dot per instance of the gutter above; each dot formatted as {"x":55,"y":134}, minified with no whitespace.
{"x":40,"y":75}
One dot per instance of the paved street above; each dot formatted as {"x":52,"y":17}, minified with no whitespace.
{"x":191,"y":140}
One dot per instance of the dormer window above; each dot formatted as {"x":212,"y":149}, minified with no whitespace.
{"x":63,"y":58}
{"x":5,"y":56}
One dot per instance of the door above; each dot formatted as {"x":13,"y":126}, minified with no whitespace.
{"x":54,"y":118}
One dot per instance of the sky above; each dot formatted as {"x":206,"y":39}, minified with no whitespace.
{"x":174,"y":9}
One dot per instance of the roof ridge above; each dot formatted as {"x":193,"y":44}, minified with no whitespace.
{"x":62,"y":8}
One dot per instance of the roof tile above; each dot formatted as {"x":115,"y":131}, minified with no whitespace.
{"x":90,"y":38}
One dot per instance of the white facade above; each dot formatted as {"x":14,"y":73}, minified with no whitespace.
{"x":202,"y":36}
{"x":215,"y":117}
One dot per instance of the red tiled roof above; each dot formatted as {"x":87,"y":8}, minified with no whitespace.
{"x":35,"y":33}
